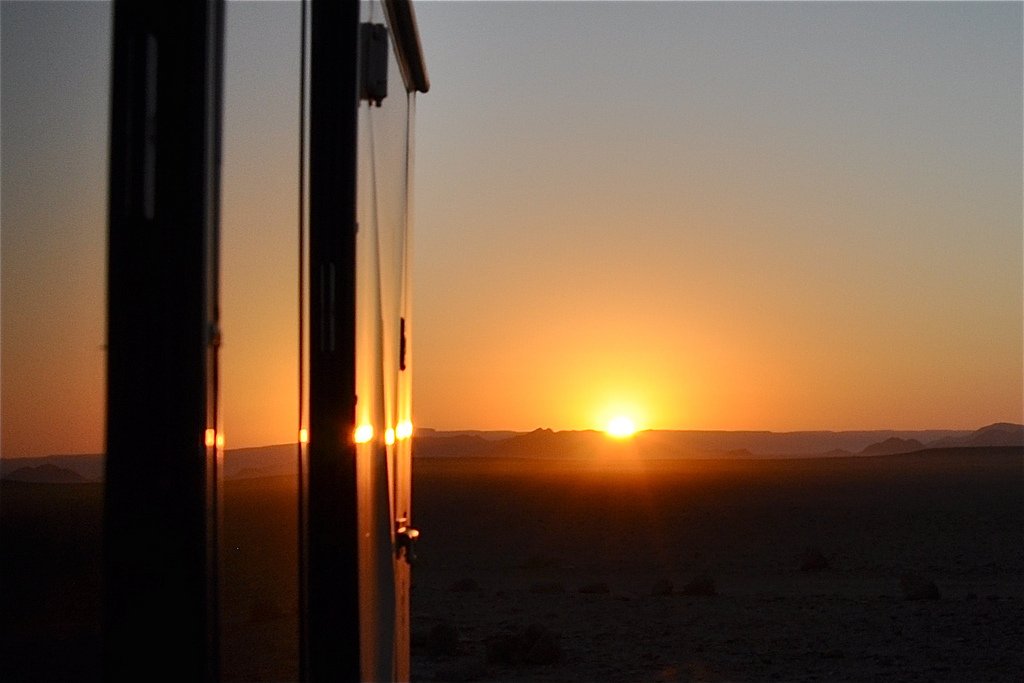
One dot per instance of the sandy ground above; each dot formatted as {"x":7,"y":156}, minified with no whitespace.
{"x":540,"y":532}
{"x":508,"y":545}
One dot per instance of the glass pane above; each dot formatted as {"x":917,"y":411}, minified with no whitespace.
{"x":55,"y":83}
{"x":383,"y":367}
{"x":260,"y":351}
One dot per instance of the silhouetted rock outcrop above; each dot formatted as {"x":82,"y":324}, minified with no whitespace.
{"x":1000,"y":434}
{"x":892,"y":446}
{"x":262,"y":461}
{"x":88,"y":465}
{"x":545,"y":443}
{"x":45,"y":474}
{"x":456,"y":446}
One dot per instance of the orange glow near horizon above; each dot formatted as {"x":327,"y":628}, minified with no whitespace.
{"x":621,"y":427}
{"x":829,"y":281}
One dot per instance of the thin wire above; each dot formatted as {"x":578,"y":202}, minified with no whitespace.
{"x":301,"y":500}
{"x":302,"y":208}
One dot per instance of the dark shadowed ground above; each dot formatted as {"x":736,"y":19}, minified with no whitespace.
{"x":541,"y":532}
{"x":810,"y":565}
{"x":50,"y":581}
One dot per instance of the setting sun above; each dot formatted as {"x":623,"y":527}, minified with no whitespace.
{"x":621,"y":427}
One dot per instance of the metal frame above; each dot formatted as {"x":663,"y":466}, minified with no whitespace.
{"x":160,"y":516}
{"x":407,"y":44}
{"x":161,"y":502}
{"x":331,"y":591}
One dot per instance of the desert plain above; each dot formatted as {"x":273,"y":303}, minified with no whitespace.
{"x":905,"y":567}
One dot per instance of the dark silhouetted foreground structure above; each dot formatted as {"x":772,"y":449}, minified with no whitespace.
{"x":161,"y":503}
{"x":163,"y":434}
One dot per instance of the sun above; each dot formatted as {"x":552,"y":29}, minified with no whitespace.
{"x":620,"y":427}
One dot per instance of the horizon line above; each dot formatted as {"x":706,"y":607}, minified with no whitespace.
{"x":560,"y":431}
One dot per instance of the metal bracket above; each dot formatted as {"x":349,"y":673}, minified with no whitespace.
{"x":405,"y":538}
{"x":373,"y":39}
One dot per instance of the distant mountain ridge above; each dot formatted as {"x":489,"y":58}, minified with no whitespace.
{"x":892,"y":446}
{"x":89,"y":466}
{"x":47,"y":473}
{"x":486,"y":435}
{"x":282,"y":459}
{"x":545,"y":443}
{"x":998,"y":434}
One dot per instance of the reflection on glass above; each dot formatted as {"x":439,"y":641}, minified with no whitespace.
{"x":364,"y":433}
{"x":383,"y":368}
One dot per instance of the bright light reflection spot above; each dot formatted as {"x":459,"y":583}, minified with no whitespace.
{"x":389,"y":436}
{"x":404,"y":429}
{"x":363,"y":433}
{"x":210,"y":438}
{"x":220,"y":441}
{"x":303,"y":435}
{"x":621,"y":427}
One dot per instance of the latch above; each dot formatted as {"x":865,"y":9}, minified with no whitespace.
{"x":405,"y":538}
{"x":373,"y":40}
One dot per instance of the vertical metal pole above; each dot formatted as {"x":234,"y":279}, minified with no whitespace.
{"x":160,"y":517}
{"x":332,"y":593}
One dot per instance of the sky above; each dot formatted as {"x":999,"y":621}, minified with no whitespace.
{"x":778,"y":216}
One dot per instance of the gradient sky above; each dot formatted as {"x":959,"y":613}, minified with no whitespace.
{"x":708,"y":215}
